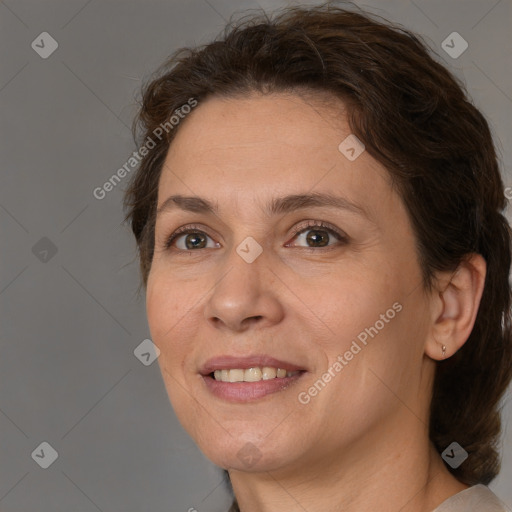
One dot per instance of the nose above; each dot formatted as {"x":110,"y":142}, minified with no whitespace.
{"x":244,"y":296}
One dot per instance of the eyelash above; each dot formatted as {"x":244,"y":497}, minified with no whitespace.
{"x":296,"y":231}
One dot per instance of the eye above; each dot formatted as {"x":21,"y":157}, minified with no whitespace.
{"x":320,"y":236}
{"x":194,"y":239}
{"x":189,"y":238}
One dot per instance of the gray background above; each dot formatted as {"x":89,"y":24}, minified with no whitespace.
{"x":70,"y":321}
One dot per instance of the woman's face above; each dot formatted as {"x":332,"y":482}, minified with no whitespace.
{"x":258,"y":285}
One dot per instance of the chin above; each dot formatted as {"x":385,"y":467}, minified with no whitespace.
{"x":243,"y":454}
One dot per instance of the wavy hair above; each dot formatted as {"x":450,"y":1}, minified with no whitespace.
{"x":415,"y":117}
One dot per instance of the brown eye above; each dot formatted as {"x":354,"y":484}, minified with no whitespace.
{"x":189,"y":239}
{"x":195,"y":241}
{"x":318,"y":235}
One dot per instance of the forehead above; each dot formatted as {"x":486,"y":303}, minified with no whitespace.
{"x":272,"y":144}
{"x":278,"y":121}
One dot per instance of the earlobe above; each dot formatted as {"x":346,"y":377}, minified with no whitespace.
{"x":455,"y":306}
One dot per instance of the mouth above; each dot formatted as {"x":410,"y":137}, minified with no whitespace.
{"x":249,"y":378}
{"x":254,"y":374}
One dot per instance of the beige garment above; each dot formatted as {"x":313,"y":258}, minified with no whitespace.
{"x":478,"y":498}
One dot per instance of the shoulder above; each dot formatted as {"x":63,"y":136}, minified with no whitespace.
{"x":474,"y":499}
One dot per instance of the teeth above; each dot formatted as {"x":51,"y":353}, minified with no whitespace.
{"x":269,"y":373}
{"x":236,"y":375}
{"x":254,"y":374}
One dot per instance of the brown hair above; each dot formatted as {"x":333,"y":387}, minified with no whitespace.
{"x":415,"y":118}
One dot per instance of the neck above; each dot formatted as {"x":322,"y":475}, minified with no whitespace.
{"x":405,"y":474}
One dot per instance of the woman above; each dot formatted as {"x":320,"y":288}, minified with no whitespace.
{"x":318,"y":213}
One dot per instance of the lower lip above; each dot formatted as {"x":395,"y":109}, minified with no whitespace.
{"x":248,"y":391}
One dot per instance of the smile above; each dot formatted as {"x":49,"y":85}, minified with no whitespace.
{"x":255,"y":374}
{"x":249,"y":378}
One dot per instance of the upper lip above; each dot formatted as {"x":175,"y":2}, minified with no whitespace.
{"x":232,"y":362}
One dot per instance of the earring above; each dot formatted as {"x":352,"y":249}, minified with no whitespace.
{"x":444,"y":351}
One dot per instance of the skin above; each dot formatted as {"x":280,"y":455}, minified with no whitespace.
{"x":361,"y":444}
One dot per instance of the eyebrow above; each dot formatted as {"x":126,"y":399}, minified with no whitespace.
{"x":276,"y":206}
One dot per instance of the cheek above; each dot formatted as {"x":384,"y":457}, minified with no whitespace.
{"x":381,"y":363}
{"x":352,"y":305}
{"x":156,"y":304}
{"x":164,"y":309}
{"x":370,"y":329}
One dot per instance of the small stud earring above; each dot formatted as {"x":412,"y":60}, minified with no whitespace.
{"x":444,"y":351}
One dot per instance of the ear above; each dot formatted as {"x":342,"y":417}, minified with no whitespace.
{"x":454,"y":306}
